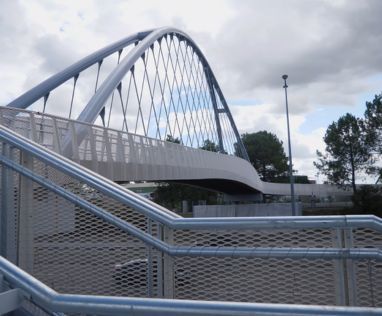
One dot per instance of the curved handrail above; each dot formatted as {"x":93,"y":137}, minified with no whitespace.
{"x":41,"y":294}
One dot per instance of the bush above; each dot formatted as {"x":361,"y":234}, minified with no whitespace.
{"x":368,"y":199}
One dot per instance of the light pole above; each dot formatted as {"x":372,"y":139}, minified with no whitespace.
{"x":290,"y":150}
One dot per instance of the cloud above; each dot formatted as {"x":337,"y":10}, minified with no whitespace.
{"x":330,"y":50}
{"x":319,"y":44}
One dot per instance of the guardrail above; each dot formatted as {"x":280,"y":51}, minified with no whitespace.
{"x":25,"y":287}
{"x":82,"y":233}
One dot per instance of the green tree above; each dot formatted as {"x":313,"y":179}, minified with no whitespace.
{"x":347,"y":151}
{"x":210,"y":146}
{"x":373,"y":124}
{"x":171,"y":195}
{"x":266,"y":154}
{"x":172,"y":139}
{"x":368,"y":200}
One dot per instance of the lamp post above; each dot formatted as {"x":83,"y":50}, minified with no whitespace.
{"x":290,"y":150}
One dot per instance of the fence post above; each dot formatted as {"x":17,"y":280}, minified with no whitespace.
{"x":26,"y":236}
{"x":150,"y":265}
{"x":339,"y":268}
{"x":168,"y":266}
{"x":350,"y":269}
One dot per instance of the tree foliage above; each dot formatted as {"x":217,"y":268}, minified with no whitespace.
{"x":368,"y":199}
{"x":171,"y":195}
{"x":347,"y":151}
{"x":210,"y":146}
{"x":373,"y":124}
{"x":266,"y":154}
{"x":172,"y":139}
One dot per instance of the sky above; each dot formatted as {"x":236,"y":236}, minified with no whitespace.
{"x":330,"y":49}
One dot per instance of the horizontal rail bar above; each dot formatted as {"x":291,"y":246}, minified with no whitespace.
{"x":202,"y":251}
{"x":104,"y":305}
{"x":160,"y":214}
{"x":10,"y":300}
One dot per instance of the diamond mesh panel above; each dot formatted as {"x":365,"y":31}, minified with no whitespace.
{"x":73,"y":251}
{"x":368,"y":283}
{"x":264,"y":280}
{"x":366,"y":238}
{"x":319,"y":238}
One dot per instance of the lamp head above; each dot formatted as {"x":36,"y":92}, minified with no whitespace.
{"x":285,"y":77}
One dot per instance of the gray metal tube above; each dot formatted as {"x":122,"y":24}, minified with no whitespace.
{"x":53,"y":82}
{"x":258,"y":252}
{"x":103,"y":305}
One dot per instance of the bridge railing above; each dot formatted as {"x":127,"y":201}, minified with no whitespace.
{"x":119,"y":155}
{"x":81,"y":233}
{"x":22,"y":292}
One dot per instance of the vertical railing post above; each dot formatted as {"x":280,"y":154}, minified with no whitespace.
{"x":168,"y":268}
{"x":93,"y":149}
{"x":6,"y":186}
{"x":26,"y":238}
{"x":74,"y":142}
{"x":56,"y":137}
{"x":149,"y":262}
{"x":109,"y":154}
{"x":160,"y":270}
{"x":350,"y":269}
{"x":8,"y":212}
{"x":339,"y":269}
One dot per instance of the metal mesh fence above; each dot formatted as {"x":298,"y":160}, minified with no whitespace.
{"x":72,"y":250}
{"x":264,"y":280}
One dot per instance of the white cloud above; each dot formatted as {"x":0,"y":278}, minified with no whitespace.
{"x":330,"y":50}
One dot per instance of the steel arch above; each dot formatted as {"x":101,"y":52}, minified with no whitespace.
{"x":143,"y":41}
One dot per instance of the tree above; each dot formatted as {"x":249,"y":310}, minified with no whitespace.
{"x":210,"y":146}
{"x":171,"y":139}
{"x":373,"y":124}
{"x":266,"y":154}
{"x":171,"y":195}
{"x":347,"y":151}
{"x":368,"y":199}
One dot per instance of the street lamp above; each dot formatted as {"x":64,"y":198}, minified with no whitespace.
{"x":290,"y":150}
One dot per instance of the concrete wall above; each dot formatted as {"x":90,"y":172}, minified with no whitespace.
{"x":245,"y":210}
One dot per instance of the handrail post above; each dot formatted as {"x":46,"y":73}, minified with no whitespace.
{"x":26,"y":209}
{"x":350,"y":269}
{"x":168,"y":266}
{"x":339,"y":269}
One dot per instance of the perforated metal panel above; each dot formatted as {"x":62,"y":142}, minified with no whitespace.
{"x":62,"y":242}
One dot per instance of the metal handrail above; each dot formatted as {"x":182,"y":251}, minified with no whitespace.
{"x":40,"y":294}
{"x":172,"y":220}
{"x":260,"y":252}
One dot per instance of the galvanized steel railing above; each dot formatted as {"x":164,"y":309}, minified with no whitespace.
{"x":81,"y":233}
{"x":25,"y":288}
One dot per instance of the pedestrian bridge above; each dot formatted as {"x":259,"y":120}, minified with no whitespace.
{"x":115,"y":110}
{"x":123,"y":156}
{"x":72,"y":241}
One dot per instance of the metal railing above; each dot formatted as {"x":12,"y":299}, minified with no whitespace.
{"x":25,"y":288}
{"x":122,"y":156}
{"x":80,"y":233}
